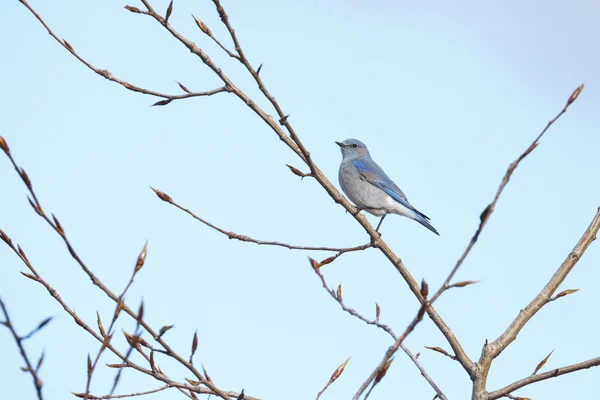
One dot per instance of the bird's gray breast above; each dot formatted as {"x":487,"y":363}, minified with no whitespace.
{"x":360,"y":192}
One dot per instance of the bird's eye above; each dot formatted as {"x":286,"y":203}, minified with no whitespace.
{"x":355,"y":145}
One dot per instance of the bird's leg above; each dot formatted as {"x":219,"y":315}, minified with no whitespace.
{"x":379,"y":225}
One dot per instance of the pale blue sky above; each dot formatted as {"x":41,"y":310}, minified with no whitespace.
{"x":445,"y":94}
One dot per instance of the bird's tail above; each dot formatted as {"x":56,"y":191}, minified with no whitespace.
{"x":420,"y":219}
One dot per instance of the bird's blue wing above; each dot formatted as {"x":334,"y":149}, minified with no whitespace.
{"x":373,"y":174}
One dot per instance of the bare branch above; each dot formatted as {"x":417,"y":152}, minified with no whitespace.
{"x":487,"y":212}
{"x":37,"y":382}
{"x":244,"y":238}
{"x":594,"y":362}
{"x":120,"y":303}
{"x":493,"y":350}
{"x":107,"y":75}
{"x":121,"y":396}
{"x":294,"y":143}
{"x":350,"y":311}
{"x":387,"y":358}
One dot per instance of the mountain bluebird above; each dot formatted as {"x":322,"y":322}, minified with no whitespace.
{"x":370,"y":189}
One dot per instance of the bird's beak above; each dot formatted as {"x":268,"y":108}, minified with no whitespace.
{"x":340,"y":144}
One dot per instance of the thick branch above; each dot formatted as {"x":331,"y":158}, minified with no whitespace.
{"x":493,"y":350}
{"x":294,"y":144}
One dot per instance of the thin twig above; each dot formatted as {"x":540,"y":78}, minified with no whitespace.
{"x":106,"y":74}
{"x":37,"y":382}
{"x":349,"y":310}
{"x":243,"y":238}
{"x":156,"y":374}
{"x":121,"y":396}
{"x":390,"y":353}
{"x":594,"y":362}
{"x":54,"y":223}
{"x":294,"y":144}
{"x":487,"y":212}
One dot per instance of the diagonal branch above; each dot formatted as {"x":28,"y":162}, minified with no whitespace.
{"x":594,"y":362}
{"x":56,"y":226}
{"x":487,"y":212}
{"x":493,"y":350}
{"x":37,"y":382}
{"x":337,"y":296}
{"x":294,"y":144}
{"x":106,"y":74}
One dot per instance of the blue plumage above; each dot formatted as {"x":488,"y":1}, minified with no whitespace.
{"x":370,"y":189}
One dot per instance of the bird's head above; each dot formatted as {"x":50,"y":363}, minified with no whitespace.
{"x":352,"y":149}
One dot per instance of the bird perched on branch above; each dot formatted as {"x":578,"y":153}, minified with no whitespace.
{"x":370,"y":189}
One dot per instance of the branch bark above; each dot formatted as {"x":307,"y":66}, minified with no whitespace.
{"x":494,"y":349}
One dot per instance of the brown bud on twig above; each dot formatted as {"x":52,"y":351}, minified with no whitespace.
{"x":339,"y":293}
{"x":152,"y":361}
{"x":4,"y":146}
{"x":258,"y":70}
{"x":283,"y":120}
{"x":377,"y":312}
{"x":315,"y":265}
{"x":132,"y":340}
{"x":336,"y":374}
{"x":193,"y":383}
{"x":297,"y":172}
{"x":169,"y":11}
{"x":201,"y":25}
{"x":206,"y":375}
{"x":164,"y":330}
{"x":326,"y":261}
{"x":486,"y":213}
{"x":44,"y":323}
{"x":563,"y":293}
{"x":183,"y":88}
{"x":141,"y":258}
{"x":440,"y":350}
{"x":35,"y":207}
{"x":194,"y":345}
{"x":542,"y":363}
{"x":22,"y":253}
{"x":116,"y":365}
{"x":382,"y":371}
{"x":161,"y":103}
{"x":32,"y":277}
{"x":59,"y":228}
{"x":25,"y":178}
{"x":5,"y":238}
{"x":575,"y":94}
{"x":90,"y":368}
{"x":68,"y":46}
{"x":162,"y":196}
{"x":140,"y":314}
{"x":133,"y":9}
{"x":100,"y":326}
{"x":193,"y":395}
{"x":424,"y":288}
{"x":463,"y":283}
{"x":40,"y":361}
{"x":119,"y":308}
